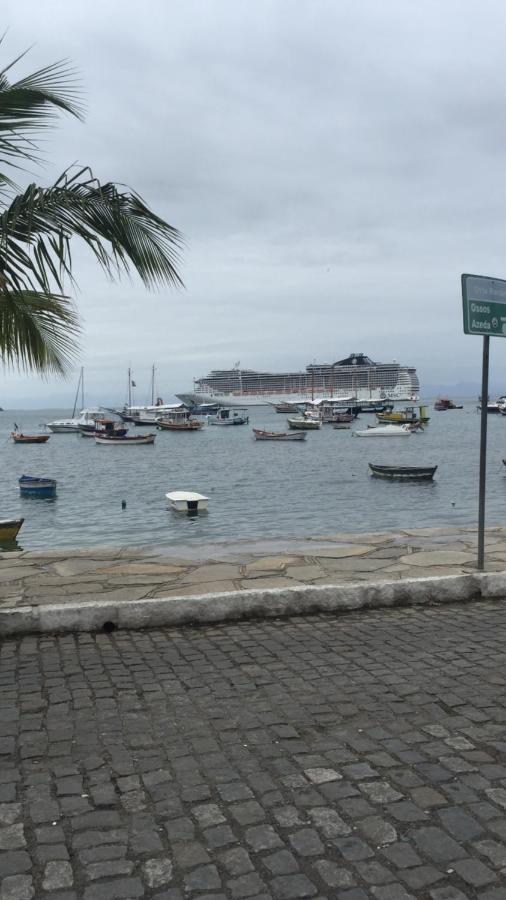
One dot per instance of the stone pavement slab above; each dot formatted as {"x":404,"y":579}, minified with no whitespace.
{"x":353,"y":757}
{"x":127,"y":574}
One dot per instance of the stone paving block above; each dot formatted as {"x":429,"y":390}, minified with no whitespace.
{"x":281,"y":863}
{"x":203,"y":878}
{"x":437,"y":845}
{"x":17,"y":887}
{"x":292,"y":887}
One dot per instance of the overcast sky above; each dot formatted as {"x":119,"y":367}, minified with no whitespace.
{"x":334,"y":165}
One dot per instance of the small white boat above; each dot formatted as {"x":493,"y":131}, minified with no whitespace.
{"x":63,"y":426}
{"x":385,"y":431}
{"x":187,"y":501}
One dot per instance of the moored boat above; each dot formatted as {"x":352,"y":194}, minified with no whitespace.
{"x":103,"y":426}
{"x":9,"y":529}
{"x":229,"y":416}
{"x":64,"y":426}
{"x":32,"y":486}
{"x":385,"y":431}
{"x":301,"y":424}
{"x":179,"y":420}
{"x":20,"y":438}
{"x":187,"y":501}
{"x":403,"y":473}
{"x":285,"y":407}
{"x":443,"y":403}
{"x":407,"y":415}
{"x":124,"y":439}
{"x":278,"y":435}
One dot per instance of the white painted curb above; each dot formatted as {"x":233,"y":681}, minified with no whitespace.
{"x":254,"y":604}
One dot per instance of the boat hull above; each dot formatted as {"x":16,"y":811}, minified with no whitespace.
{"x":62,"y":427}
{"x":303,"y":425}
{"x":30,"y":438}
{"x":184,"y":426}
{"x":403,"y":473}
{"x":387,"y":431}
{"x":278,"y":436}
{"x":30,"y":486}
{"x":187,"y":502}
{"x":133,"y":441}
{"x":9,"y":529}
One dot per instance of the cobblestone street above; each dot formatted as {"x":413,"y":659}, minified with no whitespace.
{"x":351,"y":757}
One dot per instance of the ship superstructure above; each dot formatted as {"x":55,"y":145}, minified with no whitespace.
{"x":356,"y":376}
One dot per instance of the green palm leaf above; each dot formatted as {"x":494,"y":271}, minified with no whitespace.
{"x":37,"y":331}
{"x":38,"y":325}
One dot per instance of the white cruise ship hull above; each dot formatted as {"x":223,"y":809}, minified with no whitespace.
{"x":195,"y":398}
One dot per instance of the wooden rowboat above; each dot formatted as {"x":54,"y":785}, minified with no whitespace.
{"x":9,"y":529}
{"x":37,"y":487}
{"x":278,"y":435}
{"x":19,"y":438}
{"x":127,"y":439}
{"x":403,"y":473}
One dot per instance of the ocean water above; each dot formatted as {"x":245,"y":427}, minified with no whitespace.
{"x":256,"y":489}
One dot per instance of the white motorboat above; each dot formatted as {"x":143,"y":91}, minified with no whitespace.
{"x":63,"y":426}
{"x":228,"y":416}
{"x":187,"y":501}
{"x":385,"y":431}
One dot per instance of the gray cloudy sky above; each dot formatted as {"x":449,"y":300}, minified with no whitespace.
{"x":334,"y":165}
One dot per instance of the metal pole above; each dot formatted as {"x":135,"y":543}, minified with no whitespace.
{"x":483,"y":454}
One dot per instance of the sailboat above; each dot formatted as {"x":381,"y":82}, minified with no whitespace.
{"x":150,"y":413}
{"x":66,"y":426}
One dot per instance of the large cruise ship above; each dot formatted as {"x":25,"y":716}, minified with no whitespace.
{"x":357,"y":376}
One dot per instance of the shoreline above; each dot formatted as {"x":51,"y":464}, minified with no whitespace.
{"x":128,"y":587}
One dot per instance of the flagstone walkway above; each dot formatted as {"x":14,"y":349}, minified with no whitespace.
{"x":123,"y":574}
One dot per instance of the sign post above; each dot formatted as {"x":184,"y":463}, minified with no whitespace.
{"x":484,"y":308}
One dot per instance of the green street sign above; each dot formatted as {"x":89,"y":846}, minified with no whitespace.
{"x":484,"y":305}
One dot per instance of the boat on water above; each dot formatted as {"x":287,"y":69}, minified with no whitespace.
{"x":278,"y":435}
{"x":9,"y":529}
{"x":496,"y":407}
{"x":385,"y":431}
{"x":103,"y":426}
{"x":228,"y":416}
{"x":403,"y":473}
{"x":132,"y":440}
{"x":299,"y":423}
{"x":31,"y":486}
{"x":187,"y":501}
{"x":285,"y":407}
{"x":179,"y":420}
{"x":19,"y":438}
{"x":409,"y":414}
{"x":70,"y":426}
{"x":444,"y":403}
{"x":356,"y":376}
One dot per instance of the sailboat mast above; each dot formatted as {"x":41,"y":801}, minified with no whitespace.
{"x":153,"y":386}
{"x":82,"y":387}
{"x":129,"y":387}
{"x":77,"y":393}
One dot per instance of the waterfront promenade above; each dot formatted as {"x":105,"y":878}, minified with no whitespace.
{"x":358,"y":757}
{"x":124,"y":574}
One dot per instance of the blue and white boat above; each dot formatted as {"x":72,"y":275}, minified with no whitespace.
{"x":30,"y":486}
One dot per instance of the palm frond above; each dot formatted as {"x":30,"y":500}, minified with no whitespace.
{"x":37,"y":331}
{"x":116,"y":224}
{"x":29,"y":106}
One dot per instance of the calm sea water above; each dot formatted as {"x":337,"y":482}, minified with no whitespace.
{"x":256,"y":490}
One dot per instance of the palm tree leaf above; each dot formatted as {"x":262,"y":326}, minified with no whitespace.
{"x":29,"y":106}
{"x":37,"y":331}
{"x":115,"y":224}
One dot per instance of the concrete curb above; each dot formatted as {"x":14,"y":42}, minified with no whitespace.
{"x":253,"y":604}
